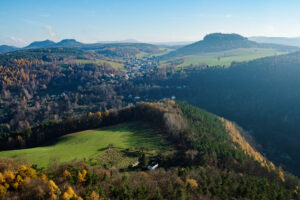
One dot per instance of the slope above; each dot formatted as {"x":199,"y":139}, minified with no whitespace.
{"x":90,"y":144}
{"x":260,"y":95}
{"x":6,"y":48}
{"x":207,"y":162}
{"x":222,"y":49}
{"x":217,"y":42}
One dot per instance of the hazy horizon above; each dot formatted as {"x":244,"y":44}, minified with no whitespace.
{"x":91,"y":21}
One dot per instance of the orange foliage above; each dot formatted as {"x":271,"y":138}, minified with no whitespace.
{"x":99,"y":115}
{"x":66,"y":173}
{"x":2,"y":180}
{"x":236,"y":137}
{"x":94,"y":196}
{"x":9,"y":176}
{"x":192,"y":182}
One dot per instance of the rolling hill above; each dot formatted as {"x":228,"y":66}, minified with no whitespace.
{"x":222,"y":49}
{"x":209,"y":158}
{"x":40,"y":44}
{"x":217,"y":42}
{"x":6,"y":48}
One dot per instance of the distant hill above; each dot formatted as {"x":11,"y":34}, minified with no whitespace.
{"x":6,"y":48}
{"x":40,"y":44}
{"x":108,"y":49}
{"x":295,"y":41}
{"x":217,"y":42}
{"x":71,"y":43}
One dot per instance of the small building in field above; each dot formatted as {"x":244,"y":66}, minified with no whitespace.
{"x":152,"y":167}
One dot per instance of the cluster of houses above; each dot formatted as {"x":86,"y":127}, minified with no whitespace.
{"x":139,"y":66}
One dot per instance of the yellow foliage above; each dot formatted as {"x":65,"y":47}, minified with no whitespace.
{"x":31,"y":173}
{"x":66,"y":173}
{"x":84,"y":173}
{"x":44,"y":178}
{"x":9,"y":176}
{"x":106,"y":113}
{"x":80,"y":178}
{"x":281,"y":175}
{"x":296,"y":191}
{"x":69,"y":194}
{"x":53,"y":187}
{"x":236,"y":137}
{"x":3,"y":191}
{"x":90,"y":114}
{"x":6,"y":185}
{"x":19,"y":179}
{"x":15,"y":185}
{"x":94,"y":196}
{"x":2,"y":180}
{"x":192,"y":182}
{"x":22,"y":168}
{"x":27,"y":172}
{"x":99,"y":115}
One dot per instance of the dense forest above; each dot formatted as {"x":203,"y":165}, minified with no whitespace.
{"x":207,"y":163}
{"x":47,"y":84}
{"x":261,"y":95}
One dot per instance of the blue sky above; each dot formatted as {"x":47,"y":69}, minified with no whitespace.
{"x":24,"y":21}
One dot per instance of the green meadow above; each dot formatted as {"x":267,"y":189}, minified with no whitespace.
{"x":227,"y":57}
{"x":90,"y":144}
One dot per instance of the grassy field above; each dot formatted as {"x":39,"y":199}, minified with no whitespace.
{"x":90,"y":144}
{"x":115,"y":65}
{"x":163,"y":51}
{"x":227,"y":57}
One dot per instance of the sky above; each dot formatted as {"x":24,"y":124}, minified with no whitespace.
{"x":25,"y":21}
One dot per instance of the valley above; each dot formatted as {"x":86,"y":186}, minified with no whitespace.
{"x":74,"y":106}
{"x":149,"y":100}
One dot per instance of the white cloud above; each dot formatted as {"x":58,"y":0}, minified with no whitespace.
{"x":50,"y":30}
{"x":18,"y":40}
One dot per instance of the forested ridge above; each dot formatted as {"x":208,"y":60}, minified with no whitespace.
{"x":260,"y":95}
{"x":207,"y":163}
